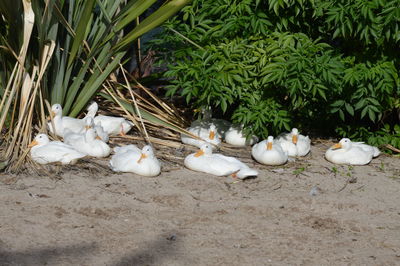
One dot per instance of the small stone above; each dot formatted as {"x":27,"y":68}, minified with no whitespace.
{"x":278,"y":170}
{"x":172,"y":237}
{"x":314,"y":191}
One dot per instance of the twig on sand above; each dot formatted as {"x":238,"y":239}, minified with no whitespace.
{"x":197,"y":198}
{"x":360,"y":187}
{"x":123,"y":194}
{"x":349,"y":181}
{"x":274,"y":187}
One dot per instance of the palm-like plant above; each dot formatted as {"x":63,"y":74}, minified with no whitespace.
{"x":62,"y":51}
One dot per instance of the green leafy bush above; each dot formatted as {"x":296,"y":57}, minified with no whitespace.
{"x":326,"y":66}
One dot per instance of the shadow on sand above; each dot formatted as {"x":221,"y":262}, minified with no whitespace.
{"x":47,"y":256}
{"x":148,"y":253}
{"x":152,"y":252}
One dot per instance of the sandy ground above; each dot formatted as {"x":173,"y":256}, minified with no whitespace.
{"x":95,"y":217}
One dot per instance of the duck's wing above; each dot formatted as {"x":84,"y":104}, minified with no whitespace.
{"x":245,"y":170}
{"x":123,"y":162}
{"x":73,"y":124}
{"x":56,"y":151}
{"x":230,"y":160}
{"x":221,"y":167}
{"x":127,"y":148}
{"x":71,"y":137}
{"x":367,"y":148}
{"x":110,"y":124}
{"x":304,"y":139}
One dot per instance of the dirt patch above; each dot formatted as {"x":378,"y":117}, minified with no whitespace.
{"x":308,"y":212}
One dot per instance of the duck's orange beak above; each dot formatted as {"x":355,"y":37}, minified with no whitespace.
{"x":97,"y":137}
{"x":212,"y":135}
{"x":88,"y":127}
{"x":52,"y":115}
{"x":336,"y":146}
{"x":294,"y":139}
{"x":33,"y":143}
{"x":142,"y":156}
{"x":269,"y":146}
{"x":199,"y":153}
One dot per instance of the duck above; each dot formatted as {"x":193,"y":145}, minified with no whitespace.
{"x":234,"y":136}
{"x":217,"y":164}
{"x":269,"y":152}
{"x":221,"y":125}
{"x":44,"y":151}
{"x":294,"y":143}
{"x":130,"y":158}
{"x":62,"y":123}
{"x":348,"y":152}
{"x":70,"y":136}
{"x":91,"y":144}
{"x":112,"y":125}
{"x":207,"y":135}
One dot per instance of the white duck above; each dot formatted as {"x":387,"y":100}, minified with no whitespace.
{"x":112,"y":125}
{"x":89,"y":123}
{"x":235,"y":136}
{"x":91,"y":144}
{"x":217,"y":164}
{"x":44,"y":151}
{"x":269,"y":152}
{"x":294,"y":143}
{"x":64,"y":122}
{"x":71,"y":137}
{"x":221,"y":125}
{"x":208,"y":135}
{"x":131,"y":159}
{"x":347,"y":152}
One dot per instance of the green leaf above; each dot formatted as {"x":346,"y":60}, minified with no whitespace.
{"x":80,"y":32}
{"x":341,"y":114}
{"x":371,"y":115}
{"x":349,"y":109}
{"x":338,"y":103}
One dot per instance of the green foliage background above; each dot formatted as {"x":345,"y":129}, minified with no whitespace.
{"x":326,"y":66}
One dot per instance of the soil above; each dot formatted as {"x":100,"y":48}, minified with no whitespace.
{"x":308,"y":212}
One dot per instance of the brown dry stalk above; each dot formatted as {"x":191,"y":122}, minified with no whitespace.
{"x":390,"y":147}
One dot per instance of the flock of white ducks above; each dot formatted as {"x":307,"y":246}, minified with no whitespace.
{"x":89,"y":137}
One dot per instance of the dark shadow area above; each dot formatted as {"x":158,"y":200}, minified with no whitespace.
{"x":46,"y":256}
{"x":152,"y":252}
